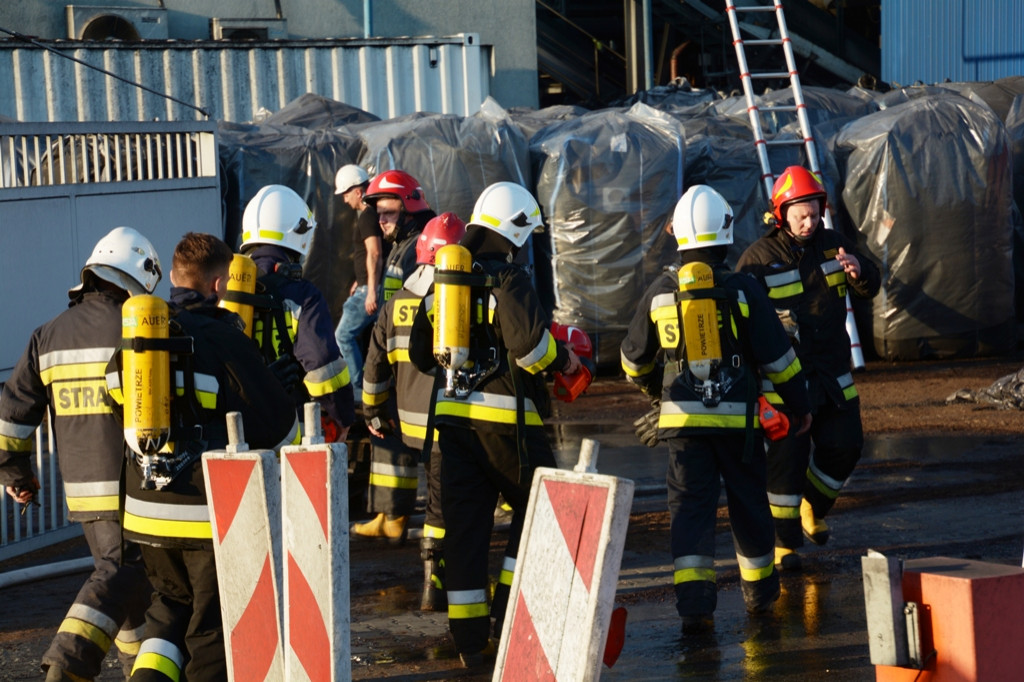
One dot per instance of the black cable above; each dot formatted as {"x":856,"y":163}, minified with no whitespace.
{"x":32,"y":41}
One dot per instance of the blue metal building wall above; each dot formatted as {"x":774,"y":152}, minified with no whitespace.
{"x":960,"y":40}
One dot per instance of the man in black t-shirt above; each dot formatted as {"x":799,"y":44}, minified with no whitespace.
{"x":368,"y":254}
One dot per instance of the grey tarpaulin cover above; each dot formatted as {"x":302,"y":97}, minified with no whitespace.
{"x":928,"y":186}
{"x":454,"y":157}
{"x":607,"y":183}
{"x":306,"y":160}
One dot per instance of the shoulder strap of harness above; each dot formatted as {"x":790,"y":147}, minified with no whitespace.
{"x":270,"y":310}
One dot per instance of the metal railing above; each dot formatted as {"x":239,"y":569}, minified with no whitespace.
{"x":46,"y":154}
{"x":26,"y":528}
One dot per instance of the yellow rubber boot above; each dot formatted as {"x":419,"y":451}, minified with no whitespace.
{"x":787,"y":559}
{"x":393,"y":529}
{"x":815,"y":529}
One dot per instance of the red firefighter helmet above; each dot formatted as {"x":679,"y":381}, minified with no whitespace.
{"x":795,"y":184}
{"x":398,"y":185}
{"x":441,"y":230}
{"x":579,"y":339}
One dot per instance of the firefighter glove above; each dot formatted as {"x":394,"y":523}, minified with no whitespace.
{"x":288,"y":371}
{"x":647,"y":426}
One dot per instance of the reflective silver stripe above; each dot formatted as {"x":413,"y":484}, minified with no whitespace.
{"x":781,"y":364}
{"x":509,"y":564}
{"x":56,"y":358}
{"x":845,"y":380}
{"x":328,"y":371}
{"x":113,"y":381}
{"x":375,"y":388}
{"x":130,"y":636}
{"x":693,"y":561}
{"x":293,"y":435}
{"x":831,"y":266}
{"x":784,"y":500}
{"x":663,"y":301}
{"x":539,"y":352}
{"x":93,"y":617}
{"x":634,"y":368}
{"x":479,"y":399}
{"x":399,"y":341}
{"x":689,"y":407}
{"x":12,"y":430}
{"x":782,"y":278}
{"x":167,"y":512}
{"x":460,"y":597}
{"x":205,"y":383}
{"x":385,"y":469}
{"x":414,"y":418}
{"x":756,"y":562}
{"x":91,"y":488}
{"x":827,"y":480}
{"x":162,"y":647}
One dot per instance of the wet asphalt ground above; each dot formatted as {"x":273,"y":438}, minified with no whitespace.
{"x":911,"y":497}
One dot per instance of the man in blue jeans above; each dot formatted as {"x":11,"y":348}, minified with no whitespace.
{"x":360,"y":309}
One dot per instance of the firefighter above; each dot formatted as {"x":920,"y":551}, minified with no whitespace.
{"x":387,"y":363}
{"x":490,"y":430}
{"x":62,"y":370}
{"x":216,"y":370}
{"x":699,"y":364}
{"x":403,"y":212}
{"x":360,"y":309}
{"x":295,"y":329}
{"x":807,"y":272}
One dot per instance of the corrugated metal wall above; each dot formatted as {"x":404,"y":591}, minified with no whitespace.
{"x":962,"y":40}
{"x":232,"y":81}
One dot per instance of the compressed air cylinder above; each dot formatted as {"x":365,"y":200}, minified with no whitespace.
{"x":242,"y":278}
{"x":146,"y":375}
{"x":452,"y":309}
{"x":700,"y":321}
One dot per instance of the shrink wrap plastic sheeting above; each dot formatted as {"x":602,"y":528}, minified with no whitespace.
{"x":928,"y":186}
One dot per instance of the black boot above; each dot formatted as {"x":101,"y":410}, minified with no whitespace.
{"x":434,"y":596}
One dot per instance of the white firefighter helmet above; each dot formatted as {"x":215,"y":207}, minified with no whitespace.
{"x":126,"y":259}
{"x":349,"y":176}
{"x":278,"y":216}
{"x":508,"y":209}
{"x":702,"y":218}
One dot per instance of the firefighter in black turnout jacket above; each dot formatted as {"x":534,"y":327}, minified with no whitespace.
{"x":807,"y":271}
{"x":293,"y":328}
{"x":214,"y":369}
{"x":490,"y":405}
{"x":62,"y":369}
{"x":699,"y":339}
{"x":388,"y":368}
{"x":403,"y":212}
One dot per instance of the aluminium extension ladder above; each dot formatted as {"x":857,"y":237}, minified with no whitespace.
{"x":798,"y":107}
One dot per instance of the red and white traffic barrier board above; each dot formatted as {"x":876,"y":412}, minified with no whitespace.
{"x":317,"y":621}
{"x":244,"y":500}
{"x":563,"y":590}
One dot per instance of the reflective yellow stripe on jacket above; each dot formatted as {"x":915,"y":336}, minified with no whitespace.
{"x":167,"y":520}
{"x":92,"y":496}
{"x":694,"y":414}
{"x":488,"y":407}
{"x":16,"y":437}
{"x":76,"y":380}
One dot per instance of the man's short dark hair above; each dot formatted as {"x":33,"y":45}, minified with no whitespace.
{"x":199,"y":257}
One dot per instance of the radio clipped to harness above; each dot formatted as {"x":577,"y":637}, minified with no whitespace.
{"x":146,"y":382}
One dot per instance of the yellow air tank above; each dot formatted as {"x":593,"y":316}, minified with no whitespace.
{"x":242,"y":278}
{"x":452,"y":310}
{"x":146,"y":375}
{"x":700,"y":321}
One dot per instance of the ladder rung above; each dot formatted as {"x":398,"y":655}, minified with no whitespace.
{"x":763,"y":41}
{"x":784,"y":143}
{"x":770,"y":74}
{"x":780,"y":107}
{"x":755,"y":8}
